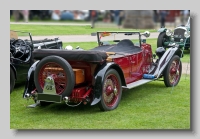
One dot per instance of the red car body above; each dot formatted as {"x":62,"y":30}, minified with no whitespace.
{"x":98,"y":76}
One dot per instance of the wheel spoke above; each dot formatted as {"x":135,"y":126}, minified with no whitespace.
{"x":55,"y":70}
{"x":174,"y":72}
{"x":111,"y":90}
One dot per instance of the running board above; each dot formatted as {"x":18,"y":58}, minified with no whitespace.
{"x":137,"y":83}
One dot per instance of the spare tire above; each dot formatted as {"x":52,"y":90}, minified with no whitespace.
{"x":61,"y":69}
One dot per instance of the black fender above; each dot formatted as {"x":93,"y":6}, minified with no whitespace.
{"x":30,"y":85}
{"x":14,"y":69}
{"x":179,"y":53}
{"x":99,"y":77}
{"x":164,"y":60}
{"x":162,"y":29}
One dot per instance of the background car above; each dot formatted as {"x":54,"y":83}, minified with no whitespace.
{"x":179,"y":36}
{"x":21,"y":47}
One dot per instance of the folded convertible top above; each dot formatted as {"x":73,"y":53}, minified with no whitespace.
{"x":71,"y":55}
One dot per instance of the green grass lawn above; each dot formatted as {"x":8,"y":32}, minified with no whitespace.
{"x":153,"y":42}
{"x":37,"y":30}
{"x":150,"y":106}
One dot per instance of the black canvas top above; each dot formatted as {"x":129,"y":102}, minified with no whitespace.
{"x":124,"y":46}
{"x":71,"y":55}
{"x":97,"y":54}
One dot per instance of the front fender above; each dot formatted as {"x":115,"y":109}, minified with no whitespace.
{"x":29,"y":86}
{"x":165,"y":60}
{"x":99,"y":77}
{"x":162,"y":29}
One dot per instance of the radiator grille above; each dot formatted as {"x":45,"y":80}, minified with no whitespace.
{"x":179,"y":34}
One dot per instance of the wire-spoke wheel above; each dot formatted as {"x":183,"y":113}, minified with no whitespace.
{"x":172,"y":72}
{"x":60,"y":70}
{"x":111,"y":91}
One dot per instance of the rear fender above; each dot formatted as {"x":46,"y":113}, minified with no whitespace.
{"x":30,"y":86}
{"x":99,"y":77}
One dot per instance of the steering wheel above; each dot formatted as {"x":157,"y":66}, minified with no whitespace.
{"x":19,"y":47}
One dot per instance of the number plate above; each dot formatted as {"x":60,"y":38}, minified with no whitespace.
{"x":49,"y":98}
{"x":49,"y":86}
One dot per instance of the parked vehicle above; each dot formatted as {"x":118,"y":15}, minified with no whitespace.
{"x":179,"y":36}
{"x":121,"y":61}
{"x":21,"y":54}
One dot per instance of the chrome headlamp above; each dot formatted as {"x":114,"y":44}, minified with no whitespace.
{"x":168,"y":32}
{"x":187,"y":34}
{"x":181,"y":40}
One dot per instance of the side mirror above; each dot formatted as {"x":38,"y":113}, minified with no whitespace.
{"x":146,"y":34}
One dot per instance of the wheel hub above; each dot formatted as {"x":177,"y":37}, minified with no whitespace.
{"x":174,"y":72}
{"x":56,"y":72}
{"x":110,"y":90}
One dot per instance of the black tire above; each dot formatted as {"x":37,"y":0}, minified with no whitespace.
{"x":67,"y":70}
{"x":172,"y":72}
{"x":12,"y":80}
{"x":162,"y":37}
{"x":115,"y":98}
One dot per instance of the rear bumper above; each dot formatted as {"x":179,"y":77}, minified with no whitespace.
{"x":49,"y":98}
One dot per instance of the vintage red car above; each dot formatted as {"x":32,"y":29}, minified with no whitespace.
{"x":122,"y":60}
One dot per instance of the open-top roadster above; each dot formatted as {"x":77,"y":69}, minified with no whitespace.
{"x":21,"y":47}
{"x":122,"y":60}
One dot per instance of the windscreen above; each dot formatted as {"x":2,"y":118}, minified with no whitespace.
{"x":110,"y":38}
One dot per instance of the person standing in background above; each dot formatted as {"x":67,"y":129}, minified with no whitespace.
{"x":93,"y":17}
{"x":155,"y":17}
{"x":116,"y":16}
{"x":163,"y":14}
{"x":25,"y":14}
{"x":56,"y":15}
{"x":184,"y":16}
{"x":107,"y":17}
{"x":121,"y":17}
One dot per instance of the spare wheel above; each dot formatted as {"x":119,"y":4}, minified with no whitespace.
{"x":62,"y":71}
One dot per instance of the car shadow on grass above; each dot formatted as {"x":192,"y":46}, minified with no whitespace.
{"x":63,"y":108}
{"x":144,"y":91}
